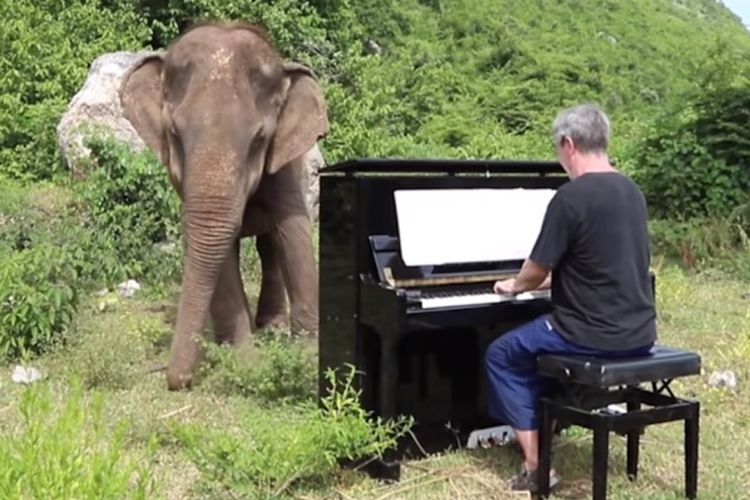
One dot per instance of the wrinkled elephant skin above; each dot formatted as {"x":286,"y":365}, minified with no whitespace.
{"x":232,"y":122}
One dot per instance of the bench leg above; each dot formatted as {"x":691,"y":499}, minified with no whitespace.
{"x":545,"y":449}
{"x":634,"y":437}
{"x":601,"y":455}
{"x":691,"y":452}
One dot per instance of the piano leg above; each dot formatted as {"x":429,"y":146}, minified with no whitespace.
{"x":388,"y":467}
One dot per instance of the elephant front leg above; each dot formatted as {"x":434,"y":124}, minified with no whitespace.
{"x":272,"y":303}
{"x":293,"y":238}
{"x":230,"y":314}
{"x":291,"y":233}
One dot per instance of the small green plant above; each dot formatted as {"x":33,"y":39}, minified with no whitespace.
{"x":259,"y":458}
{"x":702,"y":242}
{"x":38,"y":298}
{"x":66,"y":450}
{"x":113,"y":343}
{"x":272,"y":368}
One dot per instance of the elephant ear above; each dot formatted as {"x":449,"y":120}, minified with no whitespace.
{"x":302,"y":121}
{"x":141,"y":98}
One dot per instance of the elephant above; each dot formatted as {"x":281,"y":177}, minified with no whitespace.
{"x":231,"y":122}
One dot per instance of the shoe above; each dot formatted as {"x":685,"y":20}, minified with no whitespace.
{"x":527,"y":481}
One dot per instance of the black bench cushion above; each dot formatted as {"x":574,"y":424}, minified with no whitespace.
{"x":661,"y":363}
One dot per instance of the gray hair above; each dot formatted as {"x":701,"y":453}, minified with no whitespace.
{"x":586,"y":125}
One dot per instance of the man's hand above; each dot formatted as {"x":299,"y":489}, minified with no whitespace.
{"x":504,"y":286}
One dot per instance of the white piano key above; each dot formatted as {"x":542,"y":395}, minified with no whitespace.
{"x":484,"y":298}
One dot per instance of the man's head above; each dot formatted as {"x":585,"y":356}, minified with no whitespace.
{"x":581,"y":135}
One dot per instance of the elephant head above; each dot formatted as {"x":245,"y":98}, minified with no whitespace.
{"x":227,"y":117}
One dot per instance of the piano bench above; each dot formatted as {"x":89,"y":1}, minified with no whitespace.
{"x":591,"y":386}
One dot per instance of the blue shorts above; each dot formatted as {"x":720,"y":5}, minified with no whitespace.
{"x":514,"y":385}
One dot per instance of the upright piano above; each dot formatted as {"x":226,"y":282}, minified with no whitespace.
{"x":409,"y":251}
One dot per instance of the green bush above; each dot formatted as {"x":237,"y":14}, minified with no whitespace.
{"x":261,"y":459}
{"x":271,"y":368}
{"x":38,"y":298}
{"x":696,"y":163}
{"x":108,"y":359}
{"x":46,"y":47}
{"x":134,"y":214}
{"x":682,"y":178}
{"x":66,"y":450}
{"x":701,"y":243}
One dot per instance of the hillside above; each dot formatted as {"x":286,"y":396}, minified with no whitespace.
{"x":485,"y":77}
{"x":459,"y":78}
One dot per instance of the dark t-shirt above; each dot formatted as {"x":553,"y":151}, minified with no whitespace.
{"x":595,"y":239}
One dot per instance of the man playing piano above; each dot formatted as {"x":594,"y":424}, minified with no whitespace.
{"x":593,"y":250}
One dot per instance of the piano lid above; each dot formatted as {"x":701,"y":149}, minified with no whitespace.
{"x":453,"y":226}
{"x":359,"y":166}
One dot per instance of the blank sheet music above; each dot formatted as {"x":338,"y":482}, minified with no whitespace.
{"x":449,"y":226}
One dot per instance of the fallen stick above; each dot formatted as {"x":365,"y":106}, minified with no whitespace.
{"x":411,"y":487}
{"x":175,"y":412}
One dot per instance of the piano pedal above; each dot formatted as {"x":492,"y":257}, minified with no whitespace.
{"x":491,"y":436}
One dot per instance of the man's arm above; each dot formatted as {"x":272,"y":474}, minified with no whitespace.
{"x":549,"y":248}
{"x":532,"y":275}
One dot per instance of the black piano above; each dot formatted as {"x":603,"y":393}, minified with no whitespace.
{"x":417,"y":333}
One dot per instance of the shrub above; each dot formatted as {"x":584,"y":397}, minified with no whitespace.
{"x":66,"y":450}
{"x":109,"y":356}
{"x":134,"y":214}
{"x":681,"y":178}
{"x":46,"y":47}
{"x":38,"y":298}
{"x":696,"y":164}
{"x":700,"y":243}
{"x":271,"y":368}
{"x":260,"y":459}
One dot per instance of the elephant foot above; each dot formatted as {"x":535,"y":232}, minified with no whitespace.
{"x":273,"y":321}
{"x":305,"y":331}
{"x":232,"y":335}
{"x":304,"y":322}
{"x":177,"y":381}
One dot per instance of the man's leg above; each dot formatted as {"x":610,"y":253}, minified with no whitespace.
{"x":515,"y":386}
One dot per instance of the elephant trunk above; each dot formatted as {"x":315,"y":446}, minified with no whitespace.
{"x":212,"y":217}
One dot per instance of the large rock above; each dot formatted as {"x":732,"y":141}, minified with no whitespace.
{"x":97,"y":106}
{"x":314,"y":162}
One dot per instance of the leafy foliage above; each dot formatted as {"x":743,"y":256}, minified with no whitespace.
{"x":272,"y":368}
{"x":38,"y":299}
{"x":260,"y":459}
{"x":69,"y":453}
{"x":124,"y":223}
{"x":134,"y":213}
{"x":696,"y":164}
{"x":46,"y":48}
{"x":484,"y":78}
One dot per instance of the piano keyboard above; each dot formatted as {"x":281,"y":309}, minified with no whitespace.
{"x":464,"y":299}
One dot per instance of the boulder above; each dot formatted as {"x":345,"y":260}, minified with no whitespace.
{"x":97,"y":107}
{"x":314,"y":162}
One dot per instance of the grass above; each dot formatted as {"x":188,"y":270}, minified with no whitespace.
{"x":115,"y":352}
